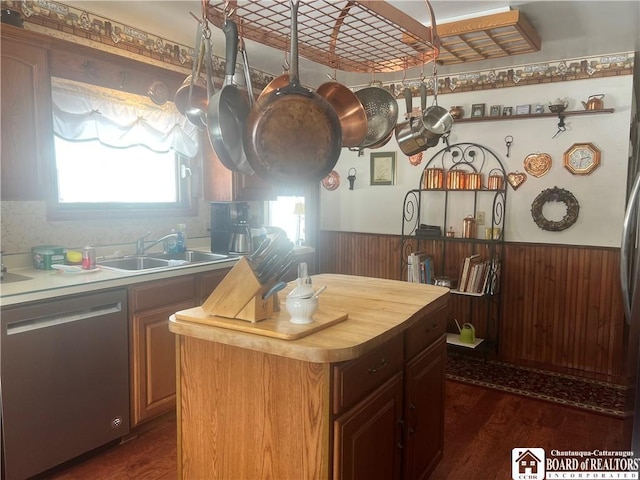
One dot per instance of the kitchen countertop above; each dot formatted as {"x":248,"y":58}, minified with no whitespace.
{"x":378,"y":309}
{"x":46,"y":284}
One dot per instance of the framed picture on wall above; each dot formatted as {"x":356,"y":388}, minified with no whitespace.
{"x":506,"y":111}
{"x":383,"y":168}
{"x":494,"y":111}
{"x":523,"y":109}
{"x":477,"y":110}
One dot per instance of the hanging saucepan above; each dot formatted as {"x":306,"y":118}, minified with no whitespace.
{"x":381,"y":110}
{"x":409,"y":134}
{"x":353,"y":118}
{"x":191,"y":98}
{"x":431,"y":139}
{"x":196,"y":108}
{"x":228,"y":109}
{"x":293,"y":134}
{"x":437,"y":121}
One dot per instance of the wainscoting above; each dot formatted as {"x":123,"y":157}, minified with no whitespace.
{"x":561,"y":307}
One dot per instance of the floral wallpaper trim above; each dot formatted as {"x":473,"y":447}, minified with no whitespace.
{"x":80,"y":26}
{"x":522,"y":75}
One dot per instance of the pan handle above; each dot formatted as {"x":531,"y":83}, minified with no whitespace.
{"x":245,"y":66}
{"x":408,"y":98}
{"x":294,"y":73}
{"x":230,"y":30}
{"x":206,"y":38}
{"x":423,"y":97}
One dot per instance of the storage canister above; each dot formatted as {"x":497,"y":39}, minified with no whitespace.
{"x":456,"y":179}
{"x":46,"y":255}
{"x":474,"y":181}
{"x":469,"y":227}
{"x":495,"y":181}
{"x":433,"y":178}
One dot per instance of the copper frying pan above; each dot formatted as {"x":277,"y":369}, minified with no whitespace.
{"x":292,"y":134}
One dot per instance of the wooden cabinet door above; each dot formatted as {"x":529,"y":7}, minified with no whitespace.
{"x":153,"y":363}
{"x":367,"y":437}
{"x":153,"y":351}
{"x":223,"y":185}
{"x":424,"y":411}
{"x":27,"y":134}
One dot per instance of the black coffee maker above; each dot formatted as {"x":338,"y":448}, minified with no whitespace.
{"x":230,"y":229}
{"x":240,"y":241}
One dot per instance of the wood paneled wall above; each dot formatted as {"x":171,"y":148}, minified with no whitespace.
{"x":561,"y":307}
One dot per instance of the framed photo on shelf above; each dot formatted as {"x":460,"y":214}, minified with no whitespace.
{"x":523,"y":109}
{"x":539,"y":109}
{"x":494,"y":111}
{"x":477,"y":110}
{"x":383,"y":168}
{"x":507,"y":111}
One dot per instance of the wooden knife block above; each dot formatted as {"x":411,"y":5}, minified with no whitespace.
{"x":239,"y":296}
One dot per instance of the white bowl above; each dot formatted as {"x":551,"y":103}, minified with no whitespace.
{"x":301,"y":309}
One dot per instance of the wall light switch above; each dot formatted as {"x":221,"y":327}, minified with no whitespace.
{"x":480,"y":218}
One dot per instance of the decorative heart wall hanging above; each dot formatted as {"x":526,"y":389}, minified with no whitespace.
{"x":516,"y":179}
{"x":537,"y":164}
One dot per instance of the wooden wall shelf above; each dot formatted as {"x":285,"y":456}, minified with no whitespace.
{"x":568,"y":113}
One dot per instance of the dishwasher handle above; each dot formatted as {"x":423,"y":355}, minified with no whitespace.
{"x":30,"y":324}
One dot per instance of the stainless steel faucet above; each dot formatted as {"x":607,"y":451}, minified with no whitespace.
{"x":141,"y":247}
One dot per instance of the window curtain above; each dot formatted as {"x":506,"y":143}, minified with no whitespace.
{"x":119,"y":119}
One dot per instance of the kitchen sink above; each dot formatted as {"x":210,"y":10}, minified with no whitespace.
{"x":160,"y":260}
{"x":134,"y":263}
{"x":191,"y":256}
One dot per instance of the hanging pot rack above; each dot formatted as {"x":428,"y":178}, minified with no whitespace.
{"x":375,"y":37}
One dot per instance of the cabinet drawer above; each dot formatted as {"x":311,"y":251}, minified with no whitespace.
{"x":163,"y":292}
{"x":353,"y":380}
{"x":425,"y":332}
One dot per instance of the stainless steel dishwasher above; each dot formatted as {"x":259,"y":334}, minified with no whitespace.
{"x":64,"y":379}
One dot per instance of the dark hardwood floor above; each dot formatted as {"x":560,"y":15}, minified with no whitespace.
{"x":481,"y":428}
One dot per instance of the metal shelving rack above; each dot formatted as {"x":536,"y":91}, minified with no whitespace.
{"x":434,"y":206}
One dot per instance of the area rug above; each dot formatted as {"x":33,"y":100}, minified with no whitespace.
{"x":567,"y":390}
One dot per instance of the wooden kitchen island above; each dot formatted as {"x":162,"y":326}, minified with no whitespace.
{"x":362,"y":398}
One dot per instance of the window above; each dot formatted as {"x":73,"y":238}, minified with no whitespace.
{"x":119,"y":154}
{"x":288,"y":213}
{"x":141,"y":176}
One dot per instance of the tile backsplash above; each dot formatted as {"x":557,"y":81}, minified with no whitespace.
{"x":25,"y":224}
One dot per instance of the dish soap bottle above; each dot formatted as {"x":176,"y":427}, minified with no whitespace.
{"x":181,"y":244}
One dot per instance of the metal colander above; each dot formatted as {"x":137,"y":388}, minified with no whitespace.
{"x":382,"y":114}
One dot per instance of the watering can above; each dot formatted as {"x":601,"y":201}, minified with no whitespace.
{"x":468,"y":333}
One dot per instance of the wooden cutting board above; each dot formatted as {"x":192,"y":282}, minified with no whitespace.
{"x":277,"y":326}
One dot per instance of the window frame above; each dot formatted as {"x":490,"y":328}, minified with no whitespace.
{"x":72,"y":62}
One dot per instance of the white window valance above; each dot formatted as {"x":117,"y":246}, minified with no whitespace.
{"x":119,"y":119}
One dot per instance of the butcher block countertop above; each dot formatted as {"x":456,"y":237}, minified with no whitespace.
{"x":377,"y":310}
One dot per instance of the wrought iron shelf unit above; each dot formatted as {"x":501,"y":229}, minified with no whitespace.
{"x":443,"y":207}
